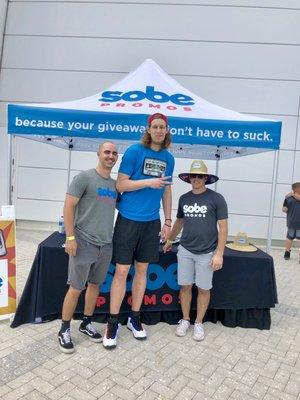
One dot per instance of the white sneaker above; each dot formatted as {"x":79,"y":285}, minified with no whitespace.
{"x":198,"y":332}
{"x":137,"y":329}
{"x":111,"y":335}
{"x":182,"y":328}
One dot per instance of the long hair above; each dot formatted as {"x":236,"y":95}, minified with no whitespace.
{"x":146,"y":140}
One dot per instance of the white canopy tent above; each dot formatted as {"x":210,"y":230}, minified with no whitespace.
{"x":199,"y":129}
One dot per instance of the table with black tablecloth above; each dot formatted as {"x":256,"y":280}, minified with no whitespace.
{"x":243,"y":291}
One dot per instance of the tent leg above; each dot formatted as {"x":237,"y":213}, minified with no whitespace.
{"x":272,"y":202}
{"x":69,"y":167}
{"x":217,"y":173}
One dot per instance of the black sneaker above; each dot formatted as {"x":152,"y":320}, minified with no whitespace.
{"x":287,"y":255}
{"x":91,"y":332}
{"x":111,"y":335}
{"x":65,"y":341}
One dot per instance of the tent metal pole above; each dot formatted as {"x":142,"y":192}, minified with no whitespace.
{"x":272,"y":202}
{"x":69,"y":167}
{"x":217,"y":173}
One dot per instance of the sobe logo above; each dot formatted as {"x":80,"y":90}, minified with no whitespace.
{"x":194,"y":210}
{"x":106,"y":192}
{"x":157,"y":277}
{"x":150,"y":94}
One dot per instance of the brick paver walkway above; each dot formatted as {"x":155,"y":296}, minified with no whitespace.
{"x":230,"y":364}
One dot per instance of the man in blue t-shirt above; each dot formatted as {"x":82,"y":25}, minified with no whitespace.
{"x":202,"y":214}
{"x":144,"y":180}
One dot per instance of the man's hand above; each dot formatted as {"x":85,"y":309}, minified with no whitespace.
{"x":293,"y":194}
{"x":216,"y":262}
{"x":296,"y":196}
{"x":167,"y":246}
{"x":158,"y":183}
{"x":71,"y":247}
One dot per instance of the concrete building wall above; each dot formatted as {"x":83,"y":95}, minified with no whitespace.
{"x":242,"y":55}
{"x":3,"y":138}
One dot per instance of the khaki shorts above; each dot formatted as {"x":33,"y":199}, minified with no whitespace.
{"x":194,"y":268}
{"x":90,"y":265}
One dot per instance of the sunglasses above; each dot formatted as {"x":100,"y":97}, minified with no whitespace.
{"x":200,"y":176}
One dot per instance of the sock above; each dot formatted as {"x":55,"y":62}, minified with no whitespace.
{"x":113,"y":318}
{"x":135,"y":314}
{"x":65,"y":325}
{"x":87,"y":319}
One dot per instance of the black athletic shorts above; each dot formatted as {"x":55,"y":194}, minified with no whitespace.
{"x":136,"y":241}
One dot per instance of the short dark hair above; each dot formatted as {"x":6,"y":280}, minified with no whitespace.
{"x":296,"y":186}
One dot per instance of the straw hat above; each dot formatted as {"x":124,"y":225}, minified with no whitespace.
{"x":241,"y":243}
{"x":198,"y":167}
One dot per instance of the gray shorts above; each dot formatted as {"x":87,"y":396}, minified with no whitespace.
{"x":89,"y":265}
{"x":293,"y":234}
{"x":194,"y":268}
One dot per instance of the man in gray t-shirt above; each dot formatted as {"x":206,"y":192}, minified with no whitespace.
{"x":202,"y":214}
{"x":89,"y":216}
{"x":291,"y":207}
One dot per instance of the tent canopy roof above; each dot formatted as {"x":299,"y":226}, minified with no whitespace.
{"x":199,"y":129}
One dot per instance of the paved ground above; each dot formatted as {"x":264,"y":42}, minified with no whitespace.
{"x":230,"y":364}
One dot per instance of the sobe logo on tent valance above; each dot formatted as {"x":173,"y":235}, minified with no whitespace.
{"x":112,"y":96}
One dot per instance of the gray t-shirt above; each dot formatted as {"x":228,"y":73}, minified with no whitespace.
{"x":94,"y":214}
{"x":200,"y":213}
{"x":293,"y":213}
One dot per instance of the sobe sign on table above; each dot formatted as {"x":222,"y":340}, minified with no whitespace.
{"x":159,"y":278}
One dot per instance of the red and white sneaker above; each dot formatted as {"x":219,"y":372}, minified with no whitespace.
{"x":111,"y":335}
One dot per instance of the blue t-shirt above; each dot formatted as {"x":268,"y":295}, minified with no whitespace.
{"x":140,"y":162}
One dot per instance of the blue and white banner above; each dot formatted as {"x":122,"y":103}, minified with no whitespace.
{"x":120,"y":113}
{"x":26,"y":120}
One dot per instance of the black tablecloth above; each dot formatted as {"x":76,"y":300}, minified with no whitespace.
{"x":243,"y":291}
